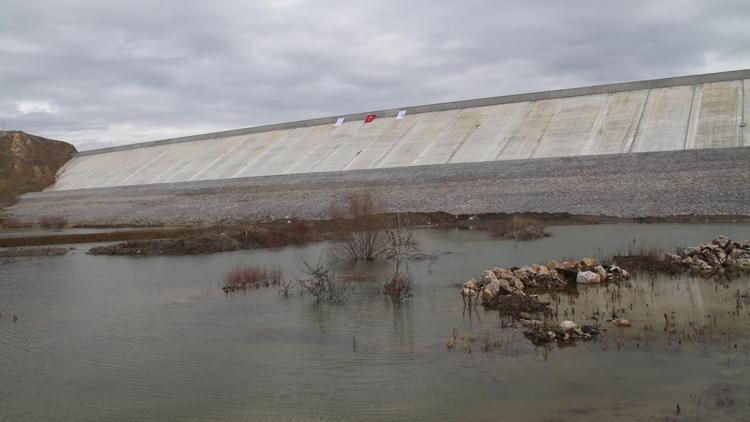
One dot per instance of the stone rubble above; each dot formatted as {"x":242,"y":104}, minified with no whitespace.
{"x":510,"y":289}
{"x":719,"y":255}
{"x":565,"y":332}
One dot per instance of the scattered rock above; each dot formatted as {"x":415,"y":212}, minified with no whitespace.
{"x":541,"y":335}
{"x":568,"y":325}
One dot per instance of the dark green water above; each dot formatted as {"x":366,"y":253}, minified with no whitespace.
{"x":115,"y":338}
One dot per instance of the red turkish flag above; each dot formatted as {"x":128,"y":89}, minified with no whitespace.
{"x":369,"y":118}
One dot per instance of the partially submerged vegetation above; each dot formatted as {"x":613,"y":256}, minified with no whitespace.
{"x":322,"y":285}
{"x":248,"y":277}
{"x":518,"y":228}
{"x":401,"y":249}
{"x":321,"y":281}
{"x":361,"y":226}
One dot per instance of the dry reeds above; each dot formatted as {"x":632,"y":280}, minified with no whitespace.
{"x":243,"y":278}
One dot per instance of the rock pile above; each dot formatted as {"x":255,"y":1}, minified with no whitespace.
{"x":508,"y":289}
{"x":565,"y":332}
{"x":718,"y":255}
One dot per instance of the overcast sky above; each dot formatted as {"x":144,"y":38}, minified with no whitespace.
{"x":97,"y":73}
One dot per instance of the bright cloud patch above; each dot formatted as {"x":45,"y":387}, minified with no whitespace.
{"x":28,"y":107}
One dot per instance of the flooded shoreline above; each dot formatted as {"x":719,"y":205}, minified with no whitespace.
{"x":198,"y":239}
{"x":156,"y":337}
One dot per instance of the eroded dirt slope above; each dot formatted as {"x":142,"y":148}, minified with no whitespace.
{"x":29,"y":163}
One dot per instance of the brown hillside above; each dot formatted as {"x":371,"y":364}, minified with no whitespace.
{"x":29,"y":163}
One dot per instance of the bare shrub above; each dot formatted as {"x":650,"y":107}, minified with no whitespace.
{"x":518,"y":228}
{"x":401,"y":249}
{"x":399,"y":286}
{"x":52,"y":222}
{"x":322,"y":284}
{"x":359,"y":222}
{"x":285,"y":286}
{"x":243,"y":278}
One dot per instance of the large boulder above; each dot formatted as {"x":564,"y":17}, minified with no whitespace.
{"x":588,"y":277}
{"x":486,"y":278}
{"x":588,"y":262}
{"x":471,"y":284}
{"x":503,"y":273}
{"x":491,"y":290}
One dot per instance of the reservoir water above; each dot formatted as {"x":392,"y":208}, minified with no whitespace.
{"x":152,"y":338}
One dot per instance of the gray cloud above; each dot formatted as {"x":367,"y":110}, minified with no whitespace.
{"x":94,"y":72}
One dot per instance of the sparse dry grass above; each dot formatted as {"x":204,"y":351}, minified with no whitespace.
{"x":245,"y":277}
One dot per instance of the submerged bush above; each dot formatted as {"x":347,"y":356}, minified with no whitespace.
{"x":399,"y":286}
{"x":322,"y":284}
{"x":359,"y":223}
{"x":401,"y":249}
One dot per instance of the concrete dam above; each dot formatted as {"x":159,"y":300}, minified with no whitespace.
{"x":664,"y":115}
{"x":654,"y":141}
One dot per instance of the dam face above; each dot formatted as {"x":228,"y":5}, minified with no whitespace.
{"x":684,"y":113}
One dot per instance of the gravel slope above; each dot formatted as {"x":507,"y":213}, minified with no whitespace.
{"x":706,"y":182}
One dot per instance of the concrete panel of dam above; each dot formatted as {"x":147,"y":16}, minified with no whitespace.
{"x":693,"y":112}
{"x":526,"y":136}
{"x":427,"y":128}
{"x":568,"y":132}
{"x":375,"y":150}
{"x":717,"y":116}
{"x":614,"y":131}
{"x":664,"y":122}
{"x":486,"y":140}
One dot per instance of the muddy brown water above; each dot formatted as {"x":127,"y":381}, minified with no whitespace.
{"x":155,"y":338}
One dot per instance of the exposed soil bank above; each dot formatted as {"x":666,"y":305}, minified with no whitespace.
{"x":23,"y":252}
{"x":28,"y":163}
{"x":63,"y":239}
{"x":693,"y":182}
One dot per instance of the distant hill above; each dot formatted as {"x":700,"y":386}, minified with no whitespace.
{"x":29,"y":163}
